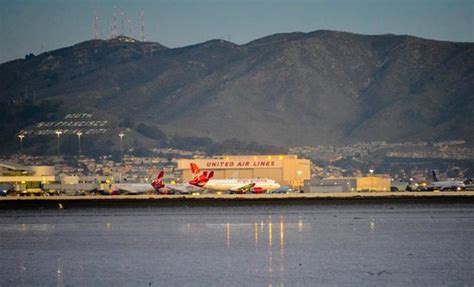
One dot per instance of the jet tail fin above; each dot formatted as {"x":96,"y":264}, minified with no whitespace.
{"x":158,"y":183}
{"x":200,"y":179}
{"x":194,"y":169}
{"x":435,"y":178}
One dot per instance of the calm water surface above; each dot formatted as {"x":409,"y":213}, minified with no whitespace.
{"x":309,"y":245}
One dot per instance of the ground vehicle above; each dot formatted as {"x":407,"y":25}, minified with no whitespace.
{"x":283,"y":189}
{"x":5,"y":189}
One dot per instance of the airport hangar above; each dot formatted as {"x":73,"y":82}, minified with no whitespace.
{"x":284,"y":169}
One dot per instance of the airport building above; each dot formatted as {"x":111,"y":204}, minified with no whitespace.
{"x":20,"y":178}
{"x":285,"y":169}
{"x":24,"y":180}
{"x":349,"y":184}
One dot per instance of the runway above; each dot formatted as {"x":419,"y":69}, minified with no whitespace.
{"x":230,"y":199}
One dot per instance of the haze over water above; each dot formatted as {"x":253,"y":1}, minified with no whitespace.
{"x":309,"y":245}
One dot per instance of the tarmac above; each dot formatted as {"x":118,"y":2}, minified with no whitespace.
{"x":230,"y":199}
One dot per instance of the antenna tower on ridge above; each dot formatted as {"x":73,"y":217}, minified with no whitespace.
{"x":129,"y":27}
{"x":122,"y":20}
{"x":143,"y":28}
{"x":114,"y":25}
{"x":96,"y":27}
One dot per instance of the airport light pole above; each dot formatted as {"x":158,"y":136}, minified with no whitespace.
{"x":58,"y":133}
{"x":21,"y":136}
{"x":79,"y":134}
{"x":371,"y":178}
{"x":121,"y":135}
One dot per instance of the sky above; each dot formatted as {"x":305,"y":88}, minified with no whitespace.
{"x":36,"y":26}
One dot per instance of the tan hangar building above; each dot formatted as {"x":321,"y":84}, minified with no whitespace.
{"x":284,"y":169}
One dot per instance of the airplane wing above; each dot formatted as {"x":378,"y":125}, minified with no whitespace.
{"x":184,"y":188}
{"x":130,"y":189}
{"x":244,"y":188}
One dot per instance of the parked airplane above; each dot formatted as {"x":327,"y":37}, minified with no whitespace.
{"x":444,"y":185}
{"x":181,"y":188}
{"x":184,"y":188}
{"x":140,"y":188}
{"x":255,"y":185}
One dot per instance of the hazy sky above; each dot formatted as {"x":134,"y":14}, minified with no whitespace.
{"x":35,"y":26}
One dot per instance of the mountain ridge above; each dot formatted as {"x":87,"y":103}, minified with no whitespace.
{"x":288,"y":89}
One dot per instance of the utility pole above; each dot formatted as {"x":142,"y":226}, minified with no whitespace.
{"x":121,"y":134}
{"x":21,"y":136}
{"x":79,"y":134}
{"x":371,"y":178}
{"x":58,"y":133}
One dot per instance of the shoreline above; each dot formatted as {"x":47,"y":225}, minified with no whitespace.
{"x":59,"y":202}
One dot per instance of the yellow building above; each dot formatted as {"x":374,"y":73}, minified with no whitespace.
{"x":349,"y":184}
{"x":373,"y":183}
{"x":23,"y":178}
{"x":284,"y":169}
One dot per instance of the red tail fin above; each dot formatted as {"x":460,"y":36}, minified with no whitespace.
{"x":199,"y":179}
{"x":194,"y":170}
{"x":160,"y":174}
{"x":158,"y":183}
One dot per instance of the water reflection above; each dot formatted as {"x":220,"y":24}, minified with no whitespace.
{"x":228,"y":233}
{"x":372,"y":225}
{"x":282,"y":249}
{"x":263,"y":233}
{"x":59,"y":273}
{"x":30,"y":227}
{"x":256,"y":235}
{"x":300,"y":224}
{"x":22,"y":270}
{"x":270,"y":251}
{"x":247,"y":246}
{"x":282,"y":234}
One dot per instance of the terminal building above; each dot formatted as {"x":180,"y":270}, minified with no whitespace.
{"x":15,"y":177}
{"x":349,"y":184}
{"x":287,"y":170}
{"x":25,"y":180}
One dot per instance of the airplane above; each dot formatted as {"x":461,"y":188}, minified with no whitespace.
{"x":255,"y":185}
{"x":140,"y":188}
{"x":455,"y":185}
{"x":180,"y":188}
{"x":184,"y":188}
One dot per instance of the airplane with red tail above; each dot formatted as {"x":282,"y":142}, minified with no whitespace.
{"x":140,"y":188}
{"x":199,"y":178}
{"x":179,"y":188}
{"x":254,"y":185}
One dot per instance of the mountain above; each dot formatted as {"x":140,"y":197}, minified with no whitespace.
{"x":293,"y":89}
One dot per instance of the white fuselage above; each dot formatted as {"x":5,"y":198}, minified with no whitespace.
{"x":134,"y":187}
{"x":235,"y":184}
{"x":448,"y":184}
